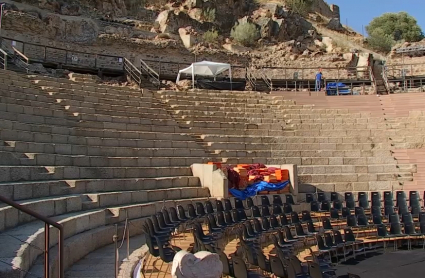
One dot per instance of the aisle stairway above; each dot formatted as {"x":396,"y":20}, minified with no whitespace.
{"x":335,"y":149}
{"x":88,"y":156}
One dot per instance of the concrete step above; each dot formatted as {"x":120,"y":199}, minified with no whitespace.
{"x":38,"y":173}
{"x":342,"y":187}
{"x":43,"y":159}
{"x":21,"y":190}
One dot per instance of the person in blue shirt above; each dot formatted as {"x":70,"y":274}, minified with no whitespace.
{"x":319,"y":77}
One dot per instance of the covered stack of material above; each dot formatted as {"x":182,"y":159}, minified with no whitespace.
{"x":202,"y":264}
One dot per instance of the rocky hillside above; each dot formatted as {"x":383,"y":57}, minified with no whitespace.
{"x":136,"y":29}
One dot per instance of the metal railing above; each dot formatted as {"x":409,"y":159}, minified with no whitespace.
{"x":385,"y":79}
{"x":372,"y":78}
{"x":266,"y":80}
{"x":152,"y":75}
{"x":63,"y":57}
{"x":251,"y":79}
{"x":132,"y":72}
{"x":3,"y":59}
{"x":47,"y":223}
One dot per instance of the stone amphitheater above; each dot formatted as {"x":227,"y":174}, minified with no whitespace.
{"x":89,"y":156}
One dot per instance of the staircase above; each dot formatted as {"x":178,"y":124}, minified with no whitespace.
{"x":379,"y":78}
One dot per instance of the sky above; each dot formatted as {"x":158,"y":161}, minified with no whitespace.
{"x":359,"y":13}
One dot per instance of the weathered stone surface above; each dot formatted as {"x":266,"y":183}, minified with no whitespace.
{"x":335,"y":24}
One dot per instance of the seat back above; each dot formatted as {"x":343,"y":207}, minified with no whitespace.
{"x":349,"y":235}
{"x":388,"y":198}
{"x":209,"y":207}
{"x":409,"y":229}
{"x":406,"y":218}
{"x":266,"y":223}
{"x":294,"y":217}
{"x":395,"y":229}
{"x":362,"y":220}
{"x":320,"y":242}
{"x":174,"y":215}
{"x":277,"y":200}
{"x":265,"y":200}
{"x":337,"y":204}
{"x":265,"y":211}
{"x":228,"y":217}
{"x":262,"y":261}
{"x":376,"y":199}
{"x":310,"y":227}
{"x":191,"y":211}
{"x":414,"y":199}
{"x":219,"y":205}
{"x":289,"y":199}
{"x":362,"y":198}
{"x":220,"y":219}
{"x":314,"y":270}
{"x":249,"y":202}
{"x":239,"y":204}
{"x":239,"y":267}
{"x":337,"y":237}
{"x":325,"y":206}
{"x":182,"y":212}
{"x":287,"y":208}
{"x":400,"y":198}
{"x":321,"y":196}
{"x":299,"y":229}
{"x":351,"y":221}
{"x":394,"y":218}
{"x":274,"y":223}
{"x":242,"y":215}
{"x":375,"y":210}
{"x":288,"y":233}
{"x":255,"y":211}
{"x":283,"y":220}
{"x":334,"y":196}
{"x":328,"y":239}
{"x":309,"y":198}
{"x":345,"y":212}
{"x":377,"y":219}
{"x":277,"y":209}
{"x":306,"y":216}
{"x":200,"y":210}
{"x":388,"y":210}
{"x":326,"y":223}
{"x":227,"y":204}
{"x":381,"y":230}
{"x":358,"y":211}
{"x":334,"y":214}
{"x":277,"y":267}
{"x":225,"y":262}
{"x":314,"y":206}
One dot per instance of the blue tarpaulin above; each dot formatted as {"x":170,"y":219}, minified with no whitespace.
{"x":257,"y":187}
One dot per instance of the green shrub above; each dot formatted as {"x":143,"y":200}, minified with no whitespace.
{"x":245,"y":33}
{"x":210,"y":36}
{"x":208,"y":15}
{"x":302,"y":7}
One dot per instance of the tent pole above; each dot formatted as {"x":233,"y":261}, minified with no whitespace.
{"x":193,"y":77}
{"x":231,"y":83}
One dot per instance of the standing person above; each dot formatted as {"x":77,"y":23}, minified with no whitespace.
{"x":319,"y":77}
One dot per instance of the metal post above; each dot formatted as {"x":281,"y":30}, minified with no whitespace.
{"x":46,"y":250}
{"x":127,"y":236}
{"x":115,"y":239}
{"x":1,"y":15}
{"x":61,"y":254}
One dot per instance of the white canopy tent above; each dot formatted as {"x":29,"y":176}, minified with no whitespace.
{"x":205,"y":68}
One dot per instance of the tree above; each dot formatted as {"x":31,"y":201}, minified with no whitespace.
{"x":388,"y":29}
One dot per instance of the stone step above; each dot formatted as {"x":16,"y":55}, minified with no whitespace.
{"x":22,"y":190}
{"x":215,"y":93}
{"x":343,"y":187}
{"x":295,"y":139}
{"x":226,"y":101}
{"x":43,"y":159}
{"x":11,"y":130}
{"x":148,"y":150}
{"x":307,"y":160}
{"x":276,"y":153}
{"x":353,"y":177}
{"x":37,"y":173}
{"x":358,"y":169}
{"x":89,"y":241}
{"x":54,"y":206}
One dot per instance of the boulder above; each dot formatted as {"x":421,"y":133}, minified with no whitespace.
{"x":170,"y":22}
{"x":72,"y":10}
{"x":266,"y":27}
{"x":235,"y":48}
{"x":190,"y":4}
{"x":335,"y":24}
{"x":328,"y":43}
{"x":187,"y":38}
{"x":275,"y":9}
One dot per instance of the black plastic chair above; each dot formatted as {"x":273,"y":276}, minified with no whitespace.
{"x":174,"y":215}
{"x":156,"y":232}
{"x":422,"y":217}
{"x":258,"y":227}
{"x":265,"y":210}
{"x":277,"y":200}
{"x":182,"y":213}
{"x":287,"y":208}
{"x":212,"y":225}
{"x":335,"y":214}
{"x":227,"y":204}
{"x":377,"y":219}
{"x":274,"y":223}
{"x":350,"y":238}
{"x":326,"y":223}
{"x":358,"y":211}
{"x":229,"y":219}
{"x":263,"y":262}
{"x":277,"y":267}
{"x":403,"y":209}
{"x":376,"y":199}
{"x":337,"y":204}
{"x":394,"y":218}
{"x":169,"y":220}
{"x":239,"y":204}
{"x":249,"y":202}
{"x":363,"y":200}
{"x":248,"y":233}
{"x":219,"y":205}
{"x":235,"y":216}
{"x":280,"y":241}
{"x":415,"y":210}
{"x":192,"y":212}
{"x":294,"y":218}
{"x":242,"y":215}
{"x":221,"y":220}
{"x":406,"y":218}
{"x":321,"y":245}
{"x":306,"y":216}
{"x":277,"y":209}
{"x":300,"y":231}
{"x":227,"y":265}
{"x":255,"y":211}
{"x":345,"y":212}
{"x":388,"y":210}
{"x":321,"y":197}
{"x":329,"y":242}
{"x":414,"y":199}
{"x":309,"y":198}
{"x":311,"y":230}
{"x":239,"y":267}
{"x":351,"y":221}
{"x":395,"y":230}
{"x":325,"y":206}
{"x":288,"y":235}
{"x":339,"y":241}
{"x":209,"y":208}
{"x":162,"y":223}
{"x":289,"y":199}
{"x":265,"y":201}
{"x":388,"y":199}
{"x":314,"y":206}
{"x":283,"y":220}
{"x":375,"y":210}
{"x":165,"y":253}
{"x":334,"y":196}
{"x":400,"y":199}
{"x":200,"y":210}
{"x":362,"y":221}
{"x":349,"y":200}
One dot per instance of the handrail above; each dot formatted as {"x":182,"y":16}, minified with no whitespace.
{"x":373,"y":80}
{"x":150,"y":72}
{"x":48,"y":222}
{"x":132,"y":72}
{"x":385,"y":78}
{"x":3,"y":60}
{"x":21,"y":54}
